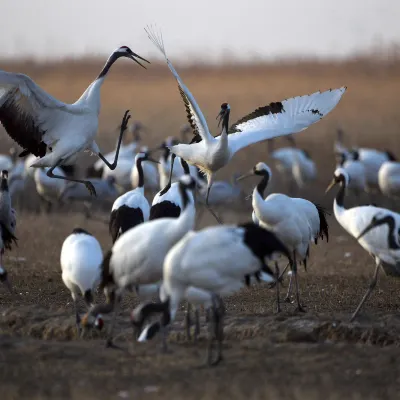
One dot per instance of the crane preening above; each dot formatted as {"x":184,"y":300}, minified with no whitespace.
{"x":50,"y":129}
{"x":210,"y":153}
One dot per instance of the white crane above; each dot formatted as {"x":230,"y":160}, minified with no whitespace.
{"x":132,"y":208}
{"x":50,"y":129}
{"x":356,"y":172}
{"x":49,"y":189}
{"x":168,"y":202}
{"x":276,"y":119}
{"x":216,"y":262}
{"x":150,"y":172}
{"x":295,"y":164}
{"x":80,"y":259}
{"x":389,"y":179}
{"x":378,"y":242}
{"x":295,"y":221}
{"x":372,"y":159}
{"x":137,"y":257}
{"x":8,"y":222}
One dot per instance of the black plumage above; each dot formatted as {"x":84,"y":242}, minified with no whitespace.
{"x":123,"y":219}
{"x":164,"y":209}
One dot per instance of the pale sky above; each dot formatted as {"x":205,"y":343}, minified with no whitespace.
{"x":205,"y":28}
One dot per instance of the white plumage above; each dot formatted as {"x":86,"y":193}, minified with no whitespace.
{"x":132,"y":208}
{"x":295,"y":221}
{"x":277,"y":119}
{"x":80,"y":259}
{"x":207,"y":265}
{"x":389,"y":179}
{"x":49,"y":189}
{"x":138,"y":255}
{"x":48,"y":128}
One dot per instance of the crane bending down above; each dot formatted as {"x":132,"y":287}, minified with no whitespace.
{"x":211,"y":153}
{"x":50,"y":129}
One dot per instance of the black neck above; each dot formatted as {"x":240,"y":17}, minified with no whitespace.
{"x":108,"y":65}
{"x":263,"y":184}
{"x":140,"y":172}
{"x":185,"y":166}
{"x":4,"y":185}
{"x":389,"y":220}
{"x":225,"y":121}
{"x":184,"y":194}
{"x":168,"y":185}
{"x":166,"y":153}
{"x":341,"y":193}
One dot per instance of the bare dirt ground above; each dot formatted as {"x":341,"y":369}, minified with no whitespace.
{"x":314,"y":355}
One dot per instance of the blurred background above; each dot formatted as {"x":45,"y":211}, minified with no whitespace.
{"x":247,"y":53}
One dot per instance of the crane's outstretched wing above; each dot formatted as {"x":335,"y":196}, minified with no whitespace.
{"x":194,"y":115}
{"x":282,"y":118}
{"x":25,"y":109}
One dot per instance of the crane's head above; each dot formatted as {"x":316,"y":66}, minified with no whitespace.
{"x":92,"y":321}
{"x":125,"y":51}
{"x":145,"y":156}
{"x":340,"y":176}
{"x":260,"y":169}
{"x":380,"y":218}
{"x":225,"y":110}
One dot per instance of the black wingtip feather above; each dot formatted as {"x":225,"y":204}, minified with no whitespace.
{"x":8,"y":237}
{"x":123,"y":219}
{"x":323,"y":223}
{"x":165,"y":209}
{"x":106,"y":275}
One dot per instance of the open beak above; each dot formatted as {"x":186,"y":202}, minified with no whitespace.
{"x":330,"y":186}
{"x":366,"y":230}
{"x":134,"y":57}
{"x":220,"y":116}
{"x":251,"y":173}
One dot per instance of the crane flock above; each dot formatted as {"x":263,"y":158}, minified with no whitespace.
{"x":155,"y":249}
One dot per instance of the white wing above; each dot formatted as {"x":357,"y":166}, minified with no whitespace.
{"x":25,"y":109}
{"x":195,"y":116}
{"x":282,"y":118}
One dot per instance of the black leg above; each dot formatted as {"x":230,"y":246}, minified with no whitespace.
{"x":369,"y":291}
{"x":215,"y":330}
{"x":188,"y":321}
{"x":88,"y":184}
{"x":197,"y":324}
{"x":77,"y":317}
{"x":124,"y":125}
{"x":209,"y":208}
{"x":294,"y":274}
{"x":278,"y":303}
{"x":109,"y":342}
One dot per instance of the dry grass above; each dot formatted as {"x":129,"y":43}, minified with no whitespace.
{"x":368,"y":111}
{"x":266,"y":356}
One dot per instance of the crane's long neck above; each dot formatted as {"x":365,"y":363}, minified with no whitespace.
{"x":225,"y":128}
{"x":338,"y":204}
{"x":392,"y":234}
{"x":4,"y":184}
{"x":140,"y":173}
{"x":185,"y":222}
{"x":168,"y":185}
{"x":259,"y":205}
{"x":185,"y":166}
{"x":92,"y":93}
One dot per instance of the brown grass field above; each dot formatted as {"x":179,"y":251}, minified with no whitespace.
{"x":287,"y":356}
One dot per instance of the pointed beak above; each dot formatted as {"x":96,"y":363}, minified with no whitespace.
{"x":134,"y":57}
{"x":220,"y":116}
{"x":370,"y":226}
{"x":330,"y":186}
{"x":250,"y":173}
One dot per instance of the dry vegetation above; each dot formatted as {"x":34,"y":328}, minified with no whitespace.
{"x":276,"y":357}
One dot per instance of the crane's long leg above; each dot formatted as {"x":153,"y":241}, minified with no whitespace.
{"x":215,"y":330}
{"x":196,"y":324}
{"x":287,"y":298}
{"x":88,"y":184}
{"x":278,"y":303}
{"x":124,"y":125}
{"x":209,"y":208}
{"x":369,"y":291}
{"x":77,"y":317}
{"x":188,"y":321}
{"x":294,"y":273}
